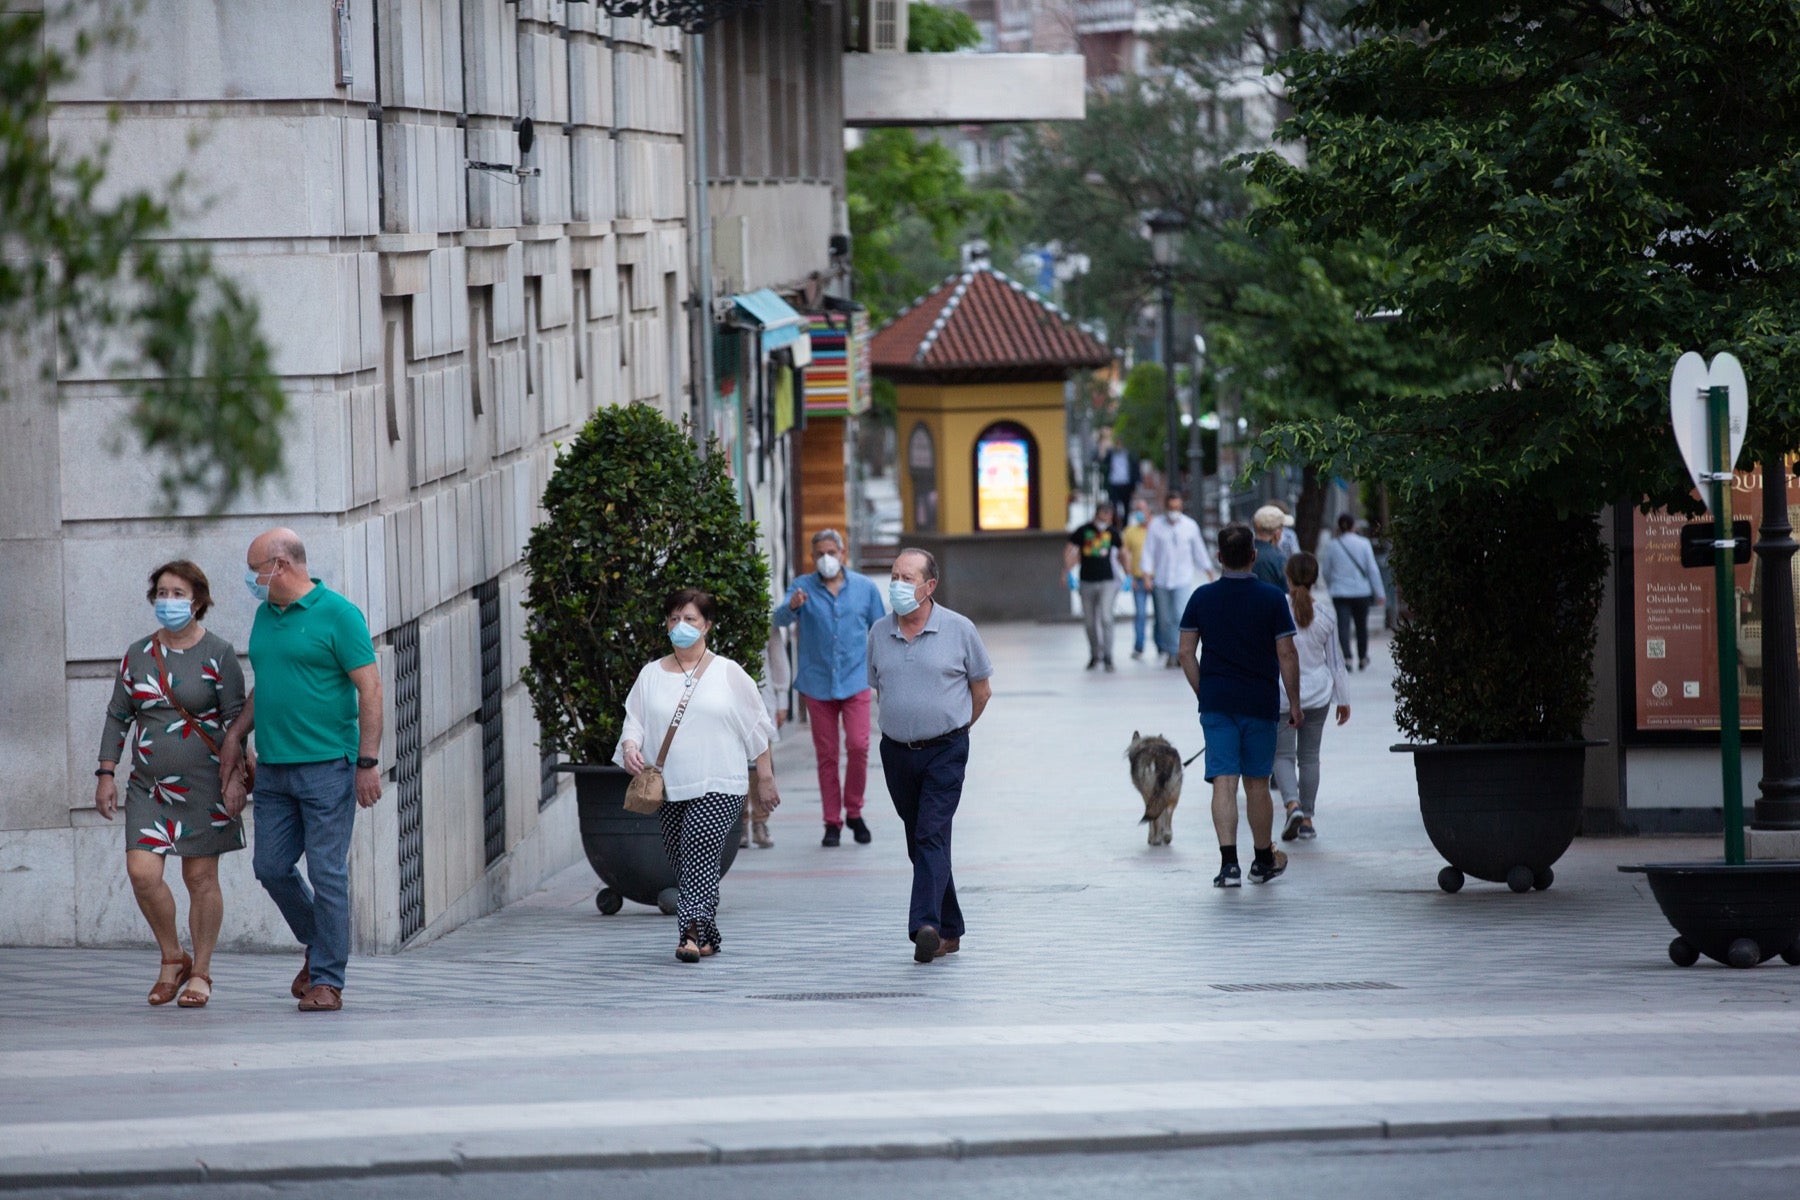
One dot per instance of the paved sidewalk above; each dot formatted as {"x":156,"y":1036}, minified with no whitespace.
{"x":1106,"y":995}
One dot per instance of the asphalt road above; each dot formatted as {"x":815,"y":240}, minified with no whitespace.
{"x":1748,"y":1165}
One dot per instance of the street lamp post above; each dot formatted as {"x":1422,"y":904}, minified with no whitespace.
{"x":1196,"y":451}
{"x":1165,"y":250}
{"x":1778,"y":806}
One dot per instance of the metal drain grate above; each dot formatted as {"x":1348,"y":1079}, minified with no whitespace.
{"x":840,"y":996}
{"x":408,"y":773}
{"x":1351,"y":985}
{"x":493,"y":724}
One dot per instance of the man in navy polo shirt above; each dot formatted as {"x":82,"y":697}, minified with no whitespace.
{"x":1237,"y":642}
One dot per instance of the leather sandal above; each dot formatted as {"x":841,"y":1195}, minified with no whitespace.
{"x":759,"y":830}
{"x":303,"y":981}
{"x":162,"y":993}
{"x":192,"y":999}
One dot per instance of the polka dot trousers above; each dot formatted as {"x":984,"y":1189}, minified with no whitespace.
{"x":694,"y":833}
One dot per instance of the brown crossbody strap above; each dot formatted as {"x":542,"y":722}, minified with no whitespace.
{"x":681,"y":709}
{"x":169,"y":691}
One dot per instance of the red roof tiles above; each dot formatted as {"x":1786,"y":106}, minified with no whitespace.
{"x":982,"y":325}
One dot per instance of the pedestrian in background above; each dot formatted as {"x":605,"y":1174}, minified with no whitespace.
{"x":705,"y":781}
{"x":932,"y":673}
{"x":1119,"y":468}
{"x":1237,"y":651}
{"x":1289,"y":542}
{"x":835,"y":608}
{"x":1323,"y":683}
{"x":1269,"y":523}
{"x":1100,"y":552}
{"x":777,"y":678}
{"x":179,"y":687}
{"x":1175,"y":562}
{"x":1133,"y":535}
{"x":316,"y":711}
{"x":1354,"y":579}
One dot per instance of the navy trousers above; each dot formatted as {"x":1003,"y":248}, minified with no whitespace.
{"x":926,"y":786}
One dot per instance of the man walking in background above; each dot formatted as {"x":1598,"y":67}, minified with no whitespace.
{"x":1099,"y":550}
{"x":1120,"y":468}
{"x":1354,"y":579}
{"x":1132,"y":536}
{"x":1271,"y":563}
{"x":932,"y":672}
{"x":1175,"y":561}
{"x":835,"y":609}
{"x":316,"y":711}
{"x":1237,"y":645}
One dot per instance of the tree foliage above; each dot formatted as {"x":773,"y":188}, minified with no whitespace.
{"x":90,"y":263}
{"x":933,"y":29}
{"x":633,"y":513}
{"x":910,"y":208}
{"x":1578,"y":192}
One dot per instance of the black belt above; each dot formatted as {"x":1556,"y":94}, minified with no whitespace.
{"x":939,"y":740}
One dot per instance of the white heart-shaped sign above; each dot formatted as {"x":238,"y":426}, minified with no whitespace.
{"x":1687,"y":411}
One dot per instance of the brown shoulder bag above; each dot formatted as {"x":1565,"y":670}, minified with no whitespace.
{"x":645,"y":794}
{"x":193,"y":722}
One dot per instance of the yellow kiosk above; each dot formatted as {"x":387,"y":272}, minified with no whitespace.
{"x":980,"y":365}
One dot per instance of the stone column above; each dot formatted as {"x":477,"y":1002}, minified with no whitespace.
{"x":1777,"y":810}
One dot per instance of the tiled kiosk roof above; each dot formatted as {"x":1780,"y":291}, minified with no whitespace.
{"x":981,"y":327}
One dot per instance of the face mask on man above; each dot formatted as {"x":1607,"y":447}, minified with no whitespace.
{"x":829,"y":566}
{"x":903,"y":596}
{"x":1174,"y":514}
{"x":174,"y":613}
{"x":684,"y":636}
{"x":1136,"y":518}
{"x":257,"y":589}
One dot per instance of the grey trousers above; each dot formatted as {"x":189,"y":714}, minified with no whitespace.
{"x":1297,"y":758}
{"x":1097,"y":617}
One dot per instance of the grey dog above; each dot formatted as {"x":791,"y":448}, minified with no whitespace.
{"x":1156,"y":773}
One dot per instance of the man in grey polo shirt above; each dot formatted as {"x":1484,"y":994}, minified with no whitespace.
{"x":930,"y":672}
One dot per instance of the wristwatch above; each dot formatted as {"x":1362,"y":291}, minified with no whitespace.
{"x":367,"y":764}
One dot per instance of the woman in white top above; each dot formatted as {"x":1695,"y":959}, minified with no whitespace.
{"x":1324,"y":681}
{"x":705,"y":777}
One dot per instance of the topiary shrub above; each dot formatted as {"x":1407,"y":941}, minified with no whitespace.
{"x":632,"y":513}
{"x":1502,"y":595}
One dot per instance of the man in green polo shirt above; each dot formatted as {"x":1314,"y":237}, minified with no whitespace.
{"x":317,"y":715}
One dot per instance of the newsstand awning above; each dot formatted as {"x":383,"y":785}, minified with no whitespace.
{"x":781,"y":326}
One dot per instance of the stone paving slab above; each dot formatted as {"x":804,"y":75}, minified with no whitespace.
{"x":1106,"y":995}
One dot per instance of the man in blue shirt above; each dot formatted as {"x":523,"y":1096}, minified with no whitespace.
{"x":1247,"y":632}
{"x":834,"y":609}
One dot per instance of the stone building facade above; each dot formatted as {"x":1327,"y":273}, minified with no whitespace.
{"x":438,"y":330}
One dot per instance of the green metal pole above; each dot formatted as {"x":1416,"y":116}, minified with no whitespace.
{"x":1718,"y":425}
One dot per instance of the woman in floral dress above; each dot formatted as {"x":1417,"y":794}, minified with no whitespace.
{"x":176,"y":692}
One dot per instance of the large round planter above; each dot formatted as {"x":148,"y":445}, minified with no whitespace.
{"x":1737,"y":915}
{"x":1503,"y":812}
{"x":625,"y":848}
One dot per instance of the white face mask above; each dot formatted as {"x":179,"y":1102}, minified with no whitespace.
{"x":829,"y":566}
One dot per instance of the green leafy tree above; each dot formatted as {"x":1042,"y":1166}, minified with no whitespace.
{"x":1579,"y":193}
{"x":932,"y":29}
{"x":92,"y":266}
{"x":910,"y":208}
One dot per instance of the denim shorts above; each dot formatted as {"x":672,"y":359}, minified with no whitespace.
{"x":1238,"y":745}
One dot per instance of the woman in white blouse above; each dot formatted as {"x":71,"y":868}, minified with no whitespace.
{"x":1324,"y":681}
{"x":705,"y":777}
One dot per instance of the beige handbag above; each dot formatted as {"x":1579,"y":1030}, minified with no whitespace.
{"x":645,"y":793}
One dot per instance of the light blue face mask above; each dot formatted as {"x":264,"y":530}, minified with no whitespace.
{"x":903,"y":596}
{"x":259,"y":590}
{"x":684,"y":635}
{"x":174,"y":613}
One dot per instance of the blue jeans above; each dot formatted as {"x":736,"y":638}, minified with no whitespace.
{"x":310,"y":809}
{"x":926,"y":786}
{"x":1140,"y":614}
{"x":1169,"y":603}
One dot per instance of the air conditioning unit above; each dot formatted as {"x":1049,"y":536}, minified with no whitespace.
{"x":884,"y":26}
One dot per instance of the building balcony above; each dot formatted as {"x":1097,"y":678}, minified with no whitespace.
{"x":962,"y":89}
{"x":1105,"y":16}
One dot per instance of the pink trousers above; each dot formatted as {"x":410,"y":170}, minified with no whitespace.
{"x":824,"y":715}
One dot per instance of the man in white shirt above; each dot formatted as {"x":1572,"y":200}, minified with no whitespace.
{"x":1175,"y":562}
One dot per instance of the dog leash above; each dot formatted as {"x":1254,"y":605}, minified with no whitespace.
{"x":1190,"y":761}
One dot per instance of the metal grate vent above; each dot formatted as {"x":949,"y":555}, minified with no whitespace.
{"x":409,"y":775}
{"x":1352,"y":985}
{"x":840,"y":996}
{"x":547,"y":780}
{"x":493,"y":724}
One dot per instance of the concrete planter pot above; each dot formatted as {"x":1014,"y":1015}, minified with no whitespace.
{"x":1737,"y":915}
{"x":1503,"y":811}
{"x":625,"y":848}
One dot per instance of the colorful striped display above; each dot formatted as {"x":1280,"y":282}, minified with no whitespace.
{"x":838,"y":381}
